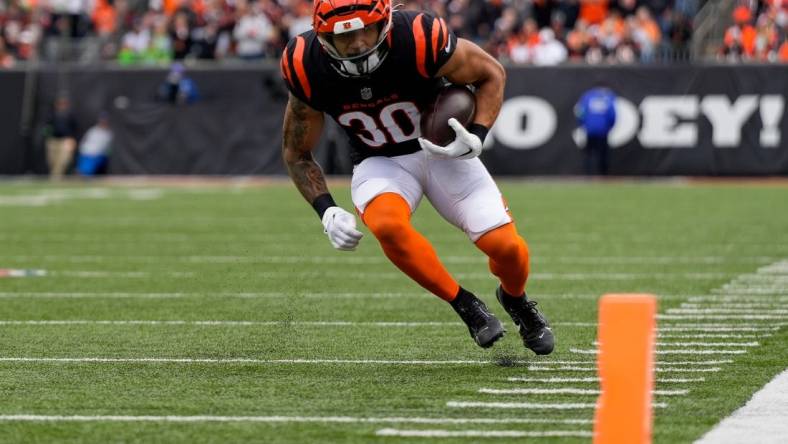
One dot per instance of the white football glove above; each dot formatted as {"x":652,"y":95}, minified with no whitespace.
{"x":340,"y":226}
{"x":465,"y":145}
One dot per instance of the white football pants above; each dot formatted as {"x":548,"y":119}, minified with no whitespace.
{"x":462,"y":191}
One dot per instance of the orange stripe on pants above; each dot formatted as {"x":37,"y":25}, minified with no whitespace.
{"x":388,"y":218}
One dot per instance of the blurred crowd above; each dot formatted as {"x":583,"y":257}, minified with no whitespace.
{"x":540,"y":32}
{"x":547,"y":32}
{"x":758,"y":33}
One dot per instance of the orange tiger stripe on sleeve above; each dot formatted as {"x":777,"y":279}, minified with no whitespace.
{"x":298,"y":62}
{"x":435,"y":34}
{"x":285,"y":67}
{"x":421,"y":45}
{"x":445,"y":29}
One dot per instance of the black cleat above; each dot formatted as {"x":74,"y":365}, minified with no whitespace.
{"x":533,"y":326}
{"x":484,"y":327}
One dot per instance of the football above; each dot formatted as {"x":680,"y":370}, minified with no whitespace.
{"x":451,"y":101}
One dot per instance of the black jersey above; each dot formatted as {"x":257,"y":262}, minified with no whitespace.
{"x":379,"y":112}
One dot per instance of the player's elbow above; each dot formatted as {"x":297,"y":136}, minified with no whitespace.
{"x":496,"y":74}
{"x":289,"y":154}
{"x":500,"y":72}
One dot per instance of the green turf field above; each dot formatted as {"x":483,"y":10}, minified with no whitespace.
{"x":314,"y":345}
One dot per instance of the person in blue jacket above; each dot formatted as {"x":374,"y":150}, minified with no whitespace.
{"x":178,"y":88}
{"x":596,"y":114}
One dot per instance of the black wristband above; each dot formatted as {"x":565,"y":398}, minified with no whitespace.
{"x":322,"y":203}
{"x":478,"y":130}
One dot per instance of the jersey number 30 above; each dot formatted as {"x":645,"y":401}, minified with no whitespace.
{"x":370,"y":129}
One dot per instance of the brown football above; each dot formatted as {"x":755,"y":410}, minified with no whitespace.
{"x":451,"y":101}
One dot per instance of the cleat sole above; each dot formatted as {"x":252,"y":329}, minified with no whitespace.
{"x":491,"y":337}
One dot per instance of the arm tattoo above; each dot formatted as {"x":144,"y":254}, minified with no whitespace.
{"x":296,"y":151}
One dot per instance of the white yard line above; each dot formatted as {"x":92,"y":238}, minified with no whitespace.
{"x":574,"y":324}
{"x":567,"y":368}
{"x":687,"y":370}
{"x":708,"y":344}
{"x":243,"y":295}
{"x":760,"y":278}
{"x":124,"y":274}
{"x":732,"y":325}
{"x":708,"y":328}
{"x":738,"y":310}
{"x":680,"y":380}
{"x":761,"y":420}
{"x":118,"y":274}
{"x":753,"y":290}
{"x":100,"y":360}
{"x":761,"y":281}
{"x":551,"y":380}
{"x":570,"y":368}
{"x":160,"y":295}
{"x":522,"y":405}
{"x":47,"y":197}
{"x":254,"y":295}
{"x":659,"y":362}
{"x":284,"y":419}
{"x":341,"y":274}
{"x":777,"y":267}
{"x":281,"y":322}
{"x":702,"y":344}
{"x":711,"y":336}
{"x":342,"y":259}
{"x":483,"y":433}
{"x":701,"y":317}
{"x":692,"y":363}
{"x":557,"y":380}
{"x":734,"y":305}
{"x":150,"y":360}
{"x":735,"y":299}
{"x":531,"y":405}
{"x":671,"y":352}
{"x":250,"y":295}
{"x":567,"y":391}
{"x":626,"y":260}
{"x":311,"y":361}
{"x":236,"y":323}
{"x":76,"y":295}
{"x":590,"y":276}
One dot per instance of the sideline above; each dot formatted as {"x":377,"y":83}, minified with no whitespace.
{"x":761,"y":420}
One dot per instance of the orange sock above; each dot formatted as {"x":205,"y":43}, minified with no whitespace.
{"x":388,"y":218}
{"x":508,"y":255}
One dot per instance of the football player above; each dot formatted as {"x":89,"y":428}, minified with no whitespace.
{"x":371,"y":69}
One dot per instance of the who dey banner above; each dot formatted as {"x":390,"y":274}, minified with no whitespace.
{"x":685,"y":120}
{"x":673,"y":120}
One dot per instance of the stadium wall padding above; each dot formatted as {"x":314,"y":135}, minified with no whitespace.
{"x":673,"y":120}
{"x":12,"y":143}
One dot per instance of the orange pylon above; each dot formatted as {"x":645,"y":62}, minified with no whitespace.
{"x":627,"y":330}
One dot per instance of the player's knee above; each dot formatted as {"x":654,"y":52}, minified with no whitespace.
{"x":526,"y":257}
{"x":387,"y":217}
{"x":387,"y":229}
{"x":510,"y":250}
